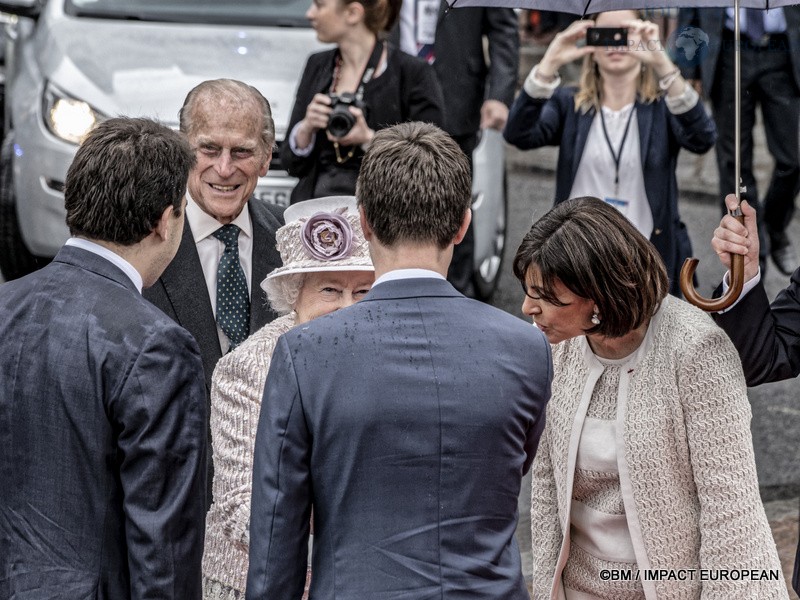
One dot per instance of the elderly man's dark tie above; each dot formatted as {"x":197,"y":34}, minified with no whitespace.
{"x":233,"y":301}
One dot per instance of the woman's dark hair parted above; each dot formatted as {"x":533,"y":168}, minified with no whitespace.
{"x":123,"y":177}
{"x":598,"y":254}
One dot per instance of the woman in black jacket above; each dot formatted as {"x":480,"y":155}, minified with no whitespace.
{"x":348,"y":93}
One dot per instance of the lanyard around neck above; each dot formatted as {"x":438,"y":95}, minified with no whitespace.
{"x":366,"y":75}
{"x":618,"y":154}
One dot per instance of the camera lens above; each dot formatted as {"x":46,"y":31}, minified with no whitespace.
{"x":340,"y":122}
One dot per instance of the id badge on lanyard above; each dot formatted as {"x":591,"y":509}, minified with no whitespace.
{"x":427,"y":16}
{"x":618,"y":203}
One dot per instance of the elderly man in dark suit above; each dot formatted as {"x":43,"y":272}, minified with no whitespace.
{"x":770,"y":73}
{"x":406,"y":420}
{"x":767,"y":336}
{"x":224,"y":247}
{"x":212,"y":287}
{"x":477,"y":93}
{"x":103,"y":412}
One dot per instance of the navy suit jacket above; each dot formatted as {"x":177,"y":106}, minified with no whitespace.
{"x":408,"y":421}
{"x":767,"y":337}
{"x":102,"y":439}
{"x":535,"y":122}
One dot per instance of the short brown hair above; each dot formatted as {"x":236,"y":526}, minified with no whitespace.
{"x":597,"y":254}
{"x":224,"y":94}
{"x":414,"y":185}
{"x":124,"y":175}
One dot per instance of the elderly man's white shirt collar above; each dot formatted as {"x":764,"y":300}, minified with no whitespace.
{"x":112,"y":257}
{"x":398,"y":274}
{"x":203,"y":224}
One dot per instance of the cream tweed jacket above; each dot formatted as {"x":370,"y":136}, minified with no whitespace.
{"x":686,"y":463}
{"x":236,"y":390}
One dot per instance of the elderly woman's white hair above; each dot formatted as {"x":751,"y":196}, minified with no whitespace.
{"x":282,"y":292}
{"x":323,"y":234}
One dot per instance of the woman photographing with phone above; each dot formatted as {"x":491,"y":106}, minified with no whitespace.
{"x":348,"y":93}
{"x":621,"y":129}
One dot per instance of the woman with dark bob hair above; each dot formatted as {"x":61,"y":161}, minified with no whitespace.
{"x":646,"y":461}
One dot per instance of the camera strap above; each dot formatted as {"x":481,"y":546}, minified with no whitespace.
{"x":369,"y":70}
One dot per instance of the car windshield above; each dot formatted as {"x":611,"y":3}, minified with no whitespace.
{"x":288,"y":13}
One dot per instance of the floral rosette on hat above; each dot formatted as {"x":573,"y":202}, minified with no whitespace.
{"x":327,"y":236}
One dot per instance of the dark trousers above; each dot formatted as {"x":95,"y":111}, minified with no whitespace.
{"x":461,"y":267}
{"x":766,"y":78}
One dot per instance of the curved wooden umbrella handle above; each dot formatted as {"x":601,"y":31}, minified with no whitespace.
{"x":715,"y":304}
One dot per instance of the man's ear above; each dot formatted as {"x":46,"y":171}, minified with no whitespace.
{"x":368,"y":233}
{"x":462,"y":231}
{"x":162,"y":228}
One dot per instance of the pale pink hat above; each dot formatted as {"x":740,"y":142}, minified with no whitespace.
{"x":323,"y":234}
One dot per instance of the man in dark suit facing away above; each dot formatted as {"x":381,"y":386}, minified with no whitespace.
{"x":102,"y":409}
{"x":406,"y":420}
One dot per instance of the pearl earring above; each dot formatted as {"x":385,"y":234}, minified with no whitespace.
{"x":595,"y":319}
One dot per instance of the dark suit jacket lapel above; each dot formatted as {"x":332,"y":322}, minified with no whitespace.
{"x":584,"y":125}
{"x":185,"y":285}
{"x":644,"y":119}
{"x":265,"y":259}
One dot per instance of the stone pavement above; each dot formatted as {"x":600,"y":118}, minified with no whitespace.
{"x":698,"y":180}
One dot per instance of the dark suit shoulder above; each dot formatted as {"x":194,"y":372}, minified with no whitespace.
{"x":398,"y":59}
{"x":268,"y":215}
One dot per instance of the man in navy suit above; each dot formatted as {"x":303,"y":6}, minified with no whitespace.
{"x":406,"y":420}
{"x":102,"y":413}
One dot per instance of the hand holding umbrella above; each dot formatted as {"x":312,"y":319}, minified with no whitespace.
{"x":736,"y":238}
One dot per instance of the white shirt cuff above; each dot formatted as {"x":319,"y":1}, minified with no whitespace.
{"x":293,"y":143}
{"x":746,"y":288}
{"x":684,"y":102}
{"x":536,"y":89}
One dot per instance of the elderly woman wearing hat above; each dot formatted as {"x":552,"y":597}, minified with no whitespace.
{"x":326,"y":266}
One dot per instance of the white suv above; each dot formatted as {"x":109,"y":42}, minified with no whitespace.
{"x":71,"y":63}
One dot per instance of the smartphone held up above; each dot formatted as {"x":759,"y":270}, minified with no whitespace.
{"x":607,"y":36}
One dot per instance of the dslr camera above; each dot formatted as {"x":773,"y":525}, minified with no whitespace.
{"x":341,"y":120}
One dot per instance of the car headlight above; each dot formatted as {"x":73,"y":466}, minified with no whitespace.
{"x":68,"y":118}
